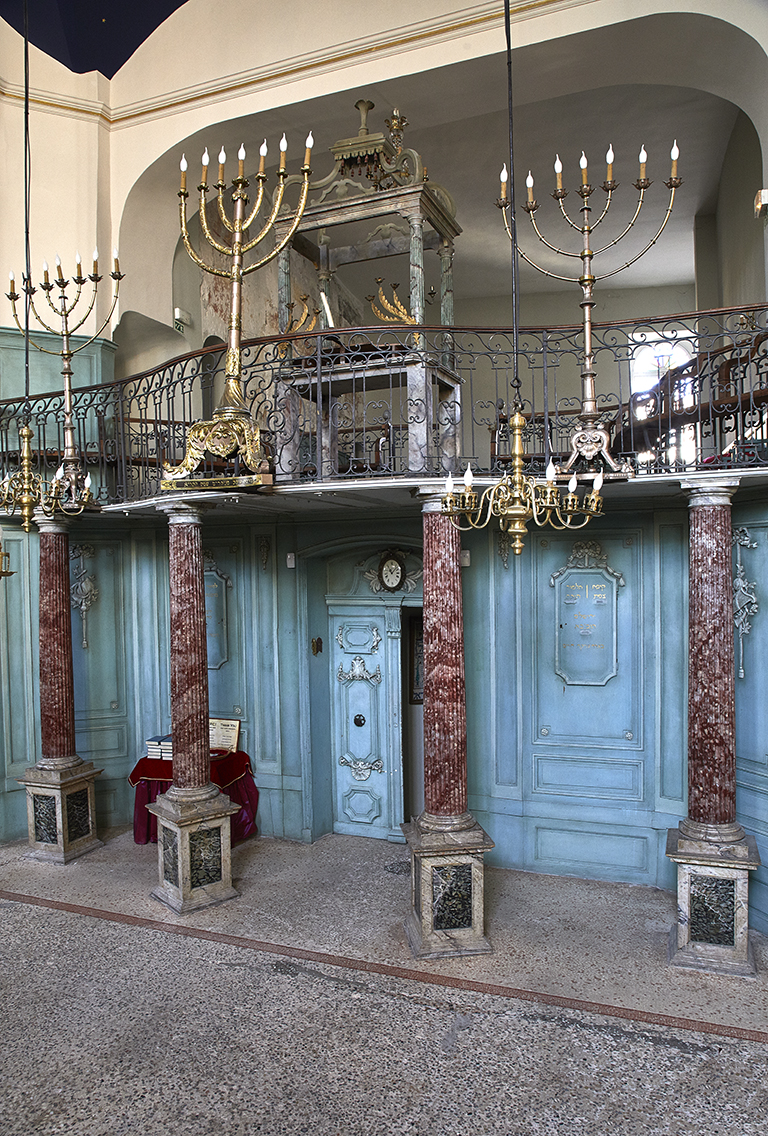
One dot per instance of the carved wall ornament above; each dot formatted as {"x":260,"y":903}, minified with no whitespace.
{"x":745,"y":602}
{"x":587,"y":554}
{"x":355,"y":634}
{"x":265,"y":546}
{"x":504,"y":546}
{"x":410,"y":580}
{"x":358,"y":672}
{"x":83,"y":592}
{"x":362,"y":770}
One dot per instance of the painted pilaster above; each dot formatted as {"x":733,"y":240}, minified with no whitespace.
{"x":446,"y":842}
{"x":61,"y":805}
{"x":194,"y":842}
{"x":713,"y":854}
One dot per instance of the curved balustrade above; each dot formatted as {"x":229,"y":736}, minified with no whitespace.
{"x":680,"y":394}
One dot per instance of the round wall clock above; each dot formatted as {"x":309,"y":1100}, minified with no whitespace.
{"x":391,"y":572}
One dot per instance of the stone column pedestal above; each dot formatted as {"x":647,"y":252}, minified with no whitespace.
{"x":193,"y":831}
{"x":713,"y":855}
{"x":61,"y":798}
{"x":446,"y":842}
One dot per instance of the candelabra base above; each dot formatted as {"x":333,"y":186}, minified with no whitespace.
{"x":194,"y":851}
{"x":712,"y":929}
{"x":447,"y":917}
{"x":61,"y":811}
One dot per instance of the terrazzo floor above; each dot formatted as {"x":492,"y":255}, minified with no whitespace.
{"x":297,"y":1007}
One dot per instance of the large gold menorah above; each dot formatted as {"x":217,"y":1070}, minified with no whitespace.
{"x":233,"y":430}
{"x":591,"y":440}
{"x":69,"y":490}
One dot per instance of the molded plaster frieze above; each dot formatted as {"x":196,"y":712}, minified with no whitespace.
{"x":745,"y":602}
{"x":410,"y":581}
{"x":375,"y":636}
{"x":83,"y":592}
{"x":358,"y":672}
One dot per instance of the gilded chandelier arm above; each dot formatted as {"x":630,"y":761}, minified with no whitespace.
{"x":650,"y":244}
{"x":72,"y":330}
{"x":220,"y":206}
{"x":567,"y":218}
{"x":261,"y":178}
{"x":276,"y":205}
{"x":205,"y":226}
{"x":629,"y":226}
{"x":544,"y":240}
{"x":545,"y":271}
{"x":294,"y":226}
{"x":188,"y":244}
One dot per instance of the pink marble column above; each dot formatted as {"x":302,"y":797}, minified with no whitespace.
{"x":445,"y":721}
{"x":57,"y":691}
{"x":189,"y":654}
{"x":711,"y":741}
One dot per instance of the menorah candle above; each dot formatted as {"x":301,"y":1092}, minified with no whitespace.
{"x":283,"y":148}
{"x":241,"y":161}
{"x":643,"y":158}
{"x":183,"y":168}
{"x":559,"y":171}
{"x":551,"y":472}
{"x":449,"y":484}
{"x":504,"y":176}
{"x":583,"y":164}
{"x":12,"y":280}
{"x":204,"y":174}
{"x":78,"y":265}
{"x":262,"y":156}
{"x":308,"y":148}
{"x":95,"y":262}
{"x":609,"y":162}
{"x":529,"y":185}
{"x":674,"y":155}
{"x":46,"y":278}
{"x":59,"y":273}
{"x":468,"y":478}
{"x":116,"y":259}
{"x":222,"y":160}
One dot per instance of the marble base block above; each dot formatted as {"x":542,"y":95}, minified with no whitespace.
{"x":712,"y":929}
{"x":194,"y":848}
{"x":61,"y":811}
{"x":447,"y":917}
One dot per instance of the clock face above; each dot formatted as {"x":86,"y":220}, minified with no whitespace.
{"x":391,"y":573}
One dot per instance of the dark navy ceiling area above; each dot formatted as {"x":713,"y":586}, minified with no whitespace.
{"x":89,"y":35}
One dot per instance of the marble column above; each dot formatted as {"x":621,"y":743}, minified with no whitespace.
{"x":193,"y":832}
{"x":712,"y":852}
{"x":446,"y":842}
{"x":61,"y":805}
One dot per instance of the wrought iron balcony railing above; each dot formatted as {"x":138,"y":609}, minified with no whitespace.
{"x":681,"y":394}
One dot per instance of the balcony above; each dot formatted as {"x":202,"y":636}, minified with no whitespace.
{"x":679,"y":395}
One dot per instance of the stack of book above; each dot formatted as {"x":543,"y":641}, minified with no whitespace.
{"x":160,"y":746}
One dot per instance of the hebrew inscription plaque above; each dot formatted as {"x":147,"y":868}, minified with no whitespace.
{"x":586,"y":625}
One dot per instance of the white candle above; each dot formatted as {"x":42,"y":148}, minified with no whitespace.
{"x":559,"y":171}
{"x":674,"y":155}
{"x":609,"y":162}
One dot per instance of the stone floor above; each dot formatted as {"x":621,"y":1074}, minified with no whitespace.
{"x":297,"y":1007}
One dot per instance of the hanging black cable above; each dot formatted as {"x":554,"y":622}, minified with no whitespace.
{"x":27,"y":181}
{"x":512,"y":221}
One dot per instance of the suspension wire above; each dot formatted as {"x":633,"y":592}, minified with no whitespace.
{"x":512,"y":222}
{"x":27,"y":182}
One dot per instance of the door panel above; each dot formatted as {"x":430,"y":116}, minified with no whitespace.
{"x":365,"y":727}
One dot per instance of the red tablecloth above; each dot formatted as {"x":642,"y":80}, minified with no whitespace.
{"x":231,"y":772}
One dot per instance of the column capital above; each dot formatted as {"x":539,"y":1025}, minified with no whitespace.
{"x":709,"y":491}
{"x":183,"y":512}
{"x":58,"y":523}
{"x":431,"y":498}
